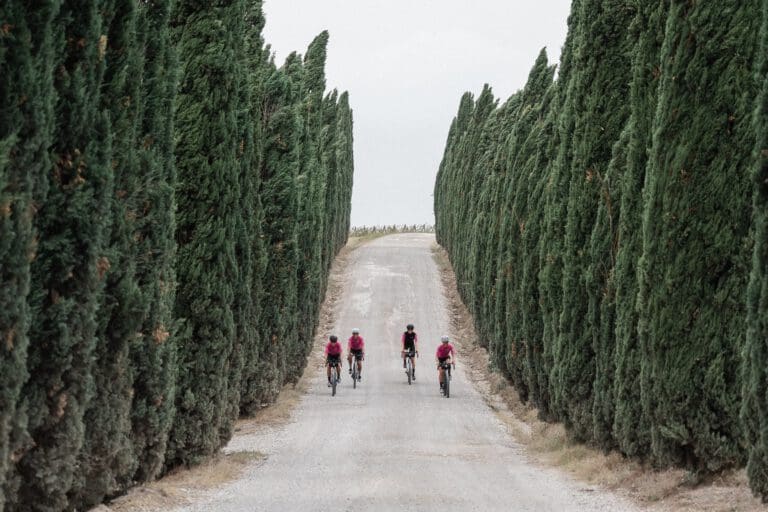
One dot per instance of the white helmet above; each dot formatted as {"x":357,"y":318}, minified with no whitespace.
{"x":355,"y":330}
{"x":444,"y":338}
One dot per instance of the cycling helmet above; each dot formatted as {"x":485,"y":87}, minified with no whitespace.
{"x":355,"y":330}
{"x":444,"y":339}
{"x":409,"y":327}
{"x":334,"y":337}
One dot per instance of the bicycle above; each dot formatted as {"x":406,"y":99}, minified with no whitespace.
{"x":355,"y":371}
{"x":334,"y":378}
{"x":409,"y":370}
{"x":445,"y":378}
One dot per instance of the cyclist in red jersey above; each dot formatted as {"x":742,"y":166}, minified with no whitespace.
{"x":333,"y":352}
{"x":444,"y":353}
{"x":356,"y":348}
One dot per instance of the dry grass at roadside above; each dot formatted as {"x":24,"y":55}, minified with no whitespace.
{"x":179,"y":487}
{"x":548,"y":443}
{"x":182,"y":485}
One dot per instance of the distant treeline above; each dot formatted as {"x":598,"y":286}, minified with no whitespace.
{"x":609,"y":231}
{"x":170,"y":204}
{"x":394,"y":228}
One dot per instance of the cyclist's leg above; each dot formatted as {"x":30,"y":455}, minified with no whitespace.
{"x":349,"y":360}
{"x":328,"y":367}
{"x":359,"y":363}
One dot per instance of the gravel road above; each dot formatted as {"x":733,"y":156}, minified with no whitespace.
{"x":387,"y":445}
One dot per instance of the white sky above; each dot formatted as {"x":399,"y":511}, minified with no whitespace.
{"x":406,"y":64}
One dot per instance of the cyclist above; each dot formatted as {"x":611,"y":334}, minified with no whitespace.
{"x":444,"y":353}
{"x":333,"y":352}
{"x":409,"y":348}
{"x":356,"y":347}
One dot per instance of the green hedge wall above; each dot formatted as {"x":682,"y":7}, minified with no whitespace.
{"x":601,"y":226}
{"x":171,"y":201}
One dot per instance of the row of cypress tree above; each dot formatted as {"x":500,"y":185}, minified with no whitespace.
{"x":603,"y":232}
{"x":170,"y":204}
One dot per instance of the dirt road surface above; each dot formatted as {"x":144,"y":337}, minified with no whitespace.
{"x":387,"y":445}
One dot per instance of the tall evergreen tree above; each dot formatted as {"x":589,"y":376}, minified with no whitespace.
{"x":601,"y":290}
{"x":107,"y":454}
{"x":311,"y":181}
{"x":279,"y":171}
{"x":630,"y":427}
{"x":207,"y":39}
{"x":345,"y":163}
{"x":754,"y":412}
{"x":537,"y":367}
{"x":69,"y":267}
{"x":554,"y":198}
{"x":695,"y":230}
{"x":153,"y":352}
{"x":516,"y":194}
{"x":252,"y":267}
{"x":599,"y":113}
{"x":27,"y":99}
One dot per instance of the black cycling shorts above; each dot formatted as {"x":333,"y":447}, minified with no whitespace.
{"x":410,"y":352}
{"x":333,"y":360}
{"x":443,"y":359}
{"x":357,"y":353}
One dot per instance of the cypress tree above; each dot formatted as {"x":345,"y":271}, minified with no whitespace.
{"x":599,"y":113}
{"x":107,"y":454}
{"x":445,"y":175}
{"x":601,"y":289}
{"x":279,"y":170}
{"x":69,"y":267}
{"x":754,"y":412}
{"x":695,"y":231}
{"x":311,"y":180}
{"x":27,"y":99}
{"x":516,"y":193}
{"x":525,"y":320}
{"x":153,"y":352}
{"x":346,"y":165}
{"x":630,"y":426}
{"x":483,"y":255}
{"x":537,"y":367}
{"x":555,"y":196}
{"x":328,"y":161}
{"x":467,"y":181}
{"x":208,"y":193}
{"x":250,"y":250}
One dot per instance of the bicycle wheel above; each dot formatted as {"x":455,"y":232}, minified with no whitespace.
{"x":447,"y":384}
{"x":408,"y":369}
{"x":354,"y":375}
{"x":334,"y":379}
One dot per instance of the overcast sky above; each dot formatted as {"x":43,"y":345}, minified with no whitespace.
{"x":406,"y":64}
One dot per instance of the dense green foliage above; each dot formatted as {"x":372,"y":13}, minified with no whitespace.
{"x":694,"y":268}
{"x":755,"y":370}
{"x":600,"y":226}
{"x":170,"y":205}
